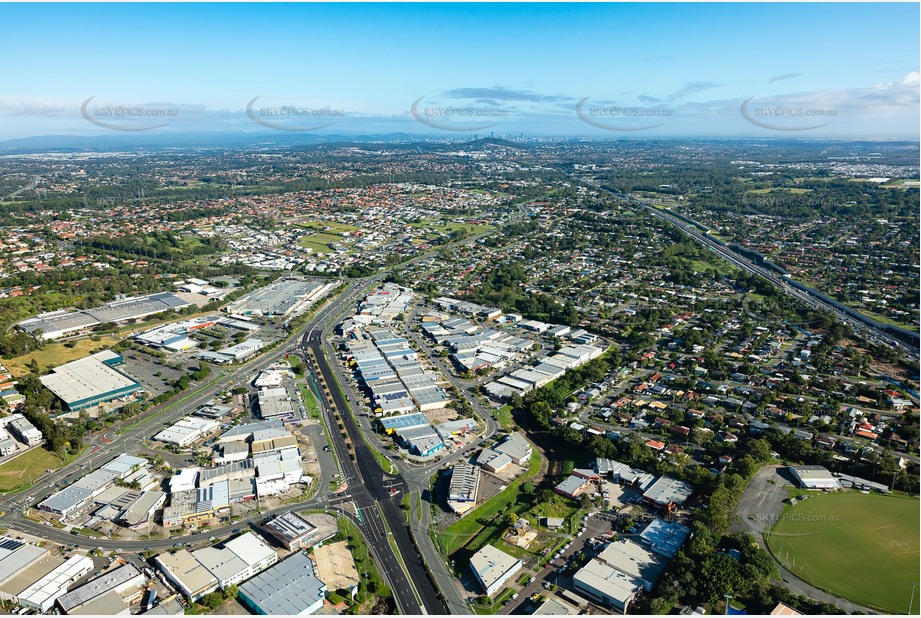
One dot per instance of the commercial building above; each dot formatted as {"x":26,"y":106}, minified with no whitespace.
{"x":24,"y":431}
{"x":291,"y":530}
{"x":275,"y":403}
{"x":290,"y":588}
{"x":107,"y":604}
{"x":39,"y":584}
{"x":167,"y":607}
{"x":126,"y":579}
{"x":187,"y":574}
{"x":15,"y":557}
{"x":619,"y":572}
{"x":239,"y":559}
{"x":79,"y":495}
{"x":516,"y":447}
{"x":250,"y":431}
{"x":404,"y":421}
{"x":58,"y":324}
{"x":87,"y":382}
{"x":668,"y":493}
{"x":142,"y":510}
{"x":230,"y":453}
{"x":664,"y":537}
{"x":513,"y":449}
{"x":814,"y":477}
{"x":573,"y":486}
{"x":187,"y":431}
{"x":422,"y":440}
{"x":493,"y":567}
{"x":607,"y":585}
{"x":462,"y":491}
{"x":284,"y":296}
{"x":554,"y":607}
{"x":459,"y":427}
{"x":493,"y":461}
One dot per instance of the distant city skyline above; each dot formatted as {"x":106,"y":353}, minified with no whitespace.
{"x":825,"y":70}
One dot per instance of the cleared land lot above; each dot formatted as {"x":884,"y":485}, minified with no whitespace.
{"x":862,"y":547}
{"x":16,"y":474}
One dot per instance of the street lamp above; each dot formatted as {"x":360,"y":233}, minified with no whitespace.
{"x":911,"y":601}
{"x":728,"y":597}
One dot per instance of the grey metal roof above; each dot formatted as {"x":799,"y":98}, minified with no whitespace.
{"x":97,"y":587}
{"x":66,"y":499}
{"x":288,"y":588}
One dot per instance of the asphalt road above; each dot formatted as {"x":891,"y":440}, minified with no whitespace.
{"x":865,"y":325}
{"x":376,"y":504}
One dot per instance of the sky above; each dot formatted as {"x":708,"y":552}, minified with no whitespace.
{"x":608,"y":70}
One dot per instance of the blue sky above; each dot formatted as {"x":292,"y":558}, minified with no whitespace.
{"x":806,"y":70}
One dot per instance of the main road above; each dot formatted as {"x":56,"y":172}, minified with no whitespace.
{"x":376,"y":499}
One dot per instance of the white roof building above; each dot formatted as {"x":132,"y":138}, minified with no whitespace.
{"x":814,"y":477}
{"x":42,"y":594}
{"x":493,"y":567}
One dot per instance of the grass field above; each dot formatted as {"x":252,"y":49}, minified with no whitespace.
{"x":504,"y":417}
{"x":323,"y":236}
{"x":333,"y":226}
{"x":15,"y":475}
{"x":310,"y":401}
{"x":863,"y":547}
{"x":56,"y":354}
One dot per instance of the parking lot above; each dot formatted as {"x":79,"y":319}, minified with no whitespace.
{"x":155,"y":374}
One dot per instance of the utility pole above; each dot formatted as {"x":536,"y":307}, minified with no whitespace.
{"x":911,"y":601}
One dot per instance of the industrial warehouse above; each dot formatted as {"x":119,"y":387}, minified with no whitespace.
{"x":286,"y":296}
{"x":32,"y":577}
{"x":174,"y":337}
{"x":57,"y":324}
{"x":89,"y":381}
{"x":291,"y":588}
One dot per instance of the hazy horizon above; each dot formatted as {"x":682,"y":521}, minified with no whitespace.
{"x":841,"y":70}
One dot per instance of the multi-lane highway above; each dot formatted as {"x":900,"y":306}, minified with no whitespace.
{"x":381,"y":520}
{"x":865,"y":325}
{"x":107,"y":446}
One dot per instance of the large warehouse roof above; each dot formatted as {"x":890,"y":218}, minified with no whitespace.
{"x":289,"y":588}
{"x":87,"y":379}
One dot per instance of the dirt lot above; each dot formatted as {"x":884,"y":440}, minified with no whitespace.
{"x":335,"y":566}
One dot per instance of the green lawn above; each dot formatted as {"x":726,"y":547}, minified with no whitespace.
{"x":382,"y":460}
{"x":863,"y":547}
{"x":319,"y":241}
{"x":504,"y":416}
{"x":14,"y":475}
{"x":310,"y":400}
{"x":333,"y":226}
